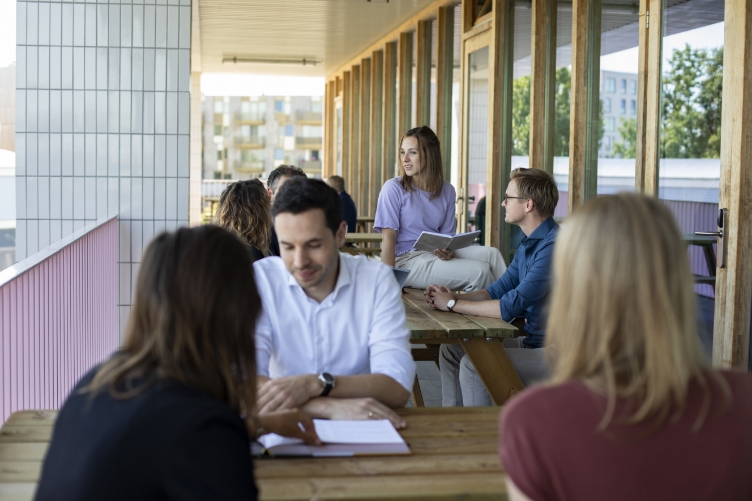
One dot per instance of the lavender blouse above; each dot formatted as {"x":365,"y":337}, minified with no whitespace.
{"x":409,"y":214}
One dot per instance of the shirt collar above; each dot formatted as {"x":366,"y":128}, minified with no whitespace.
{"x":342,"y":279}
{"x":542,"y":230}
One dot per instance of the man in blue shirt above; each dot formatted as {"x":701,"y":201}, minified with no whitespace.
{"x":349,"y":211}
{"x":520,"y":293}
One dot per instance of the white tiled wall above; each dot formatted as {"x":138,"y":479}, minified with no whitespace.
{"x":102,"y":122}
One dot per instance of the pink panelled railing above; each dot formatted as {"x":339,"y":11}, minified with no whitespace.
{"x":58,"y":317}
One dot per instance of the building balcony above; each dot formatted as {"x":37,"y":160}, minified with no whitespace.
{"x":250,"y":118}
{"x":309,"y":118}
{"x":250,"y":142}
{"x":282,"y":118}
{"x":311,"y":167}
{"x":249,"y":167}
{"x":308,"y":143}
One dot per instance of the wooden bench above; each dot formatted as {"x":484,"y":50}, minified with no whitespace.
{"x":454,"y":456}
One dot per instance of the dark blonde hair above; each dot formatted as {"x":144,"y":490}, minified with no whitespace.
{"x":622,"y":314}
{"x":192,"y":321}
{"x":538,"y":186}
{"x":244,"y":208}
{"x":430,"y":154}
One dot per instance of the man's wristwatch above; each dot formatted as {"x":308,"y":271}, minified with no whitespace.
{"x":328,"y":381}
{"x":451,"y":303}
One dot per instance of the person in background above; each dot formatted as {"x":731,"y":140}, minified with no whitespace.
{"x":420,"y":200}
{"x":333,"y":337}
{"x":632,"y":409}
{"x":244,"y":208}
{"x":520,"y":293}
{"x":169,"y":415}
{"x":274,"y":182}
{"x":349,"y":211}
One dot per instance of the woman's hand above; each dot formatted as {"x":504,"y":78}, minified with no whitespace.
{"x":290,"y":423}
{"x":444,"y":254}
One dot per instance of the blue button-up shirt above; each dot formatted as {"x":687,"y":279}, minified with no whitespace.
{"x":523,"y":288}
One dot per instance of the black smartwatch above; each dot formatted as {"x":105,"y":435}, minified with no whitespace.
{"x":328,"y":381}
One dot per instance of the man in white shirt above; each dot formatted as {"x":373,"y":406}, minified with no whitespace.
{"x":333,"y":338}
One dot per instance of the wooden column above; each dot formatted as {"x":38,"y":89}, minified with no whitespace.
{"x":330,"y":153}
{"x":468,"y":14}
{"x":731,"y":333}
{"x":405,"y":91}
{"x":389,"y":126}
{"x":585,"y":102}
{"x":649,"y":96}
{"x":351,"y":178}
{"x":423,"y":83}
{"x":346,"y":103}
{"x":501,"y":66}
{"x":364,"y":134}
{"x":543,"y":85}
{"x":377,"y":111}
{"x":444,"y":77}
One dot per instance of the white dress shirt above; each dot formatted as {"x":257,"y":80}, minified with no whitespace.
{"x":360,"y":328}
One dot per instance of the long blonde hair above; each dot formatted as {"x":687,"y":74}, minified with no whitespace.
{"x":244,"y":208}
{"x":622,"y":315}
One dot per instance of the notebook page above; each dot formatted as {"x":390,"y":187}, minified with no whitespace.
{"x":377,"y":431}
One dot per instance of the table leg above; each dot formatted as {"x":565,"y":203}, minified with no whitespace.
{"x":494,"y":368}
{"x":417,"y":394}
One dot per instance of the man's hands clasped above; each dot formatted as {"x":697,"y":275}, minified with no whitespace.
{"x":437,"y":296}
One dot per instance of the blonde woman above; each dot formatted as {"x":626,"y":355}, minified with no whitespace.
{"x":420,"y":200}
{"x":632,"y":409}
{"x":244,"y":208}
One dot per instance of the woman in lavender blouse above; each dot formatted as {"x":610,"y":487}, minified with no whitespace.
{"x":420,"y":200}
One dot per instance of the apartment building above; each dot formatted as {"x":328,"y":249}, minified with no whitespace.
{"x":246,"y":137}
{"x":619,"y":99}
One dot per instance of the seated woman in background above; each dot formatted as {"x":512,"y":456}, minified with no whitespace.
{"x":244,"y":208}
{"x":162,"y":418}
{"x":420,"y":200}
{"x":632,"y":410}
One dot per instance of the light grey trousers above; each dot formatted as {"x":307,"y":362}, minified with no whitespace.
{"x":461,"y":384}
{"x":472,"y":268}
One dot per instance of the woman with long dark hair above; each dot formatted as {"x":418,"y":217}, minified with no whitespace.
{"x":420,"y":200}
{"x":170,"y":414}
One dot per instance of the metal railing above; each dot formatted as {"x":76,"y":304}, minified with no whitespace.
{"x":58,"y":317}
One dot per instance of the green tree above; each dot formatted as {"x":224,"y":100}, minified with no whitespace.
{"x":627,"y":147}
{"x":561,"y":129}
{"x":521,"y":116}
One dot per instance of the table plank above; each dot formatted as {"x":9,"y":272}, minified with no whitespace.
{"x":41,"y":417}
{"x":363,"y":238}
{"x":374,"y":466}
{"x":421,"y":325}
{"x":15,"y":433}
{"x":23,"y":452}
{"x":466,"y":486}
{"x":494,"y":368}
{"x":456,"y":326}
{"x":17,"y":491}
{"x":20,"y":471}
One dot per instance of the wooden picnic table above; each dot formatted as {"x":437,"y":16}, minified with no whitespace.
{"x":480,"y":337}
{"x":454,"y":456}
{"x":363,"y":238}
{"x":361,"y":223}
{"x":706,"y":243}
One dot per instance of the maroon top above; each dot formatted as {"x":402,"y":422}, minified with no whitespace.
{"x":551,"y":447}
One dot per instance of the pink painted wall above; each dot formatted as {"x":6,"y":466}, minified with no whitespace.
{"x":58,"y":318}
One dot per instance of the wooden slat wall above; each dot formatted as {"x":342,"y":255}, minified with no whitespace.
{"x":423,"y":66}
{"x":501,"y":59}
{"x":389,"y":124}
{"x":585,"y":101}
{"x":543,"y":85}
{"x":346,"y":100}
{"x":444,"y":77}
{"x":351,"y":178}
{"x":364,"y":134}
{"x":649,"y":98}
{"x":731,"y":339}
{"x":405,"y":91}
{"x":377,"y":113}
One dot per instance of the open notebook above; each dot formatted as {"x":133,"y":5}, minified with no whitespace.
{"x":340,"y":438}
{"x":428,"y":241}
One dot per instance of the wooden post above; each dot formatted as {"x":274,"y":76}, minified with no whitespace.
{"x":444,"y":78}
{"x":585,"y":102}
{"x":731,"y":333}
{"x":377,"y":110}
{"x":501,"y":59}
{"x":329,"y":152}
{"x":364,"y":134}
{"x":543,"y":85}
{"x":405,"y":91}
{"x":423,"y":83}
{"x":649,"y":99}
{"x":351,"y":178}
{"x":346,"y":103}
{"x":389,"y":135}
{"x":468,"y":14}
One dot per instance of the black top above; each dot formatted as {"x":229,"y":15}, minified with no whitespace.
{"x":255,"y":253}
{"x":169,"y":442}
{"x":349,"y":212}
{"x":274,"y":244}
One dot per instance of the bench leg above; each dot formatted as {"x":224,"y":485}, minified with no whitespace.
{"x":494,"y":368}
{"x":417,"y":394}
